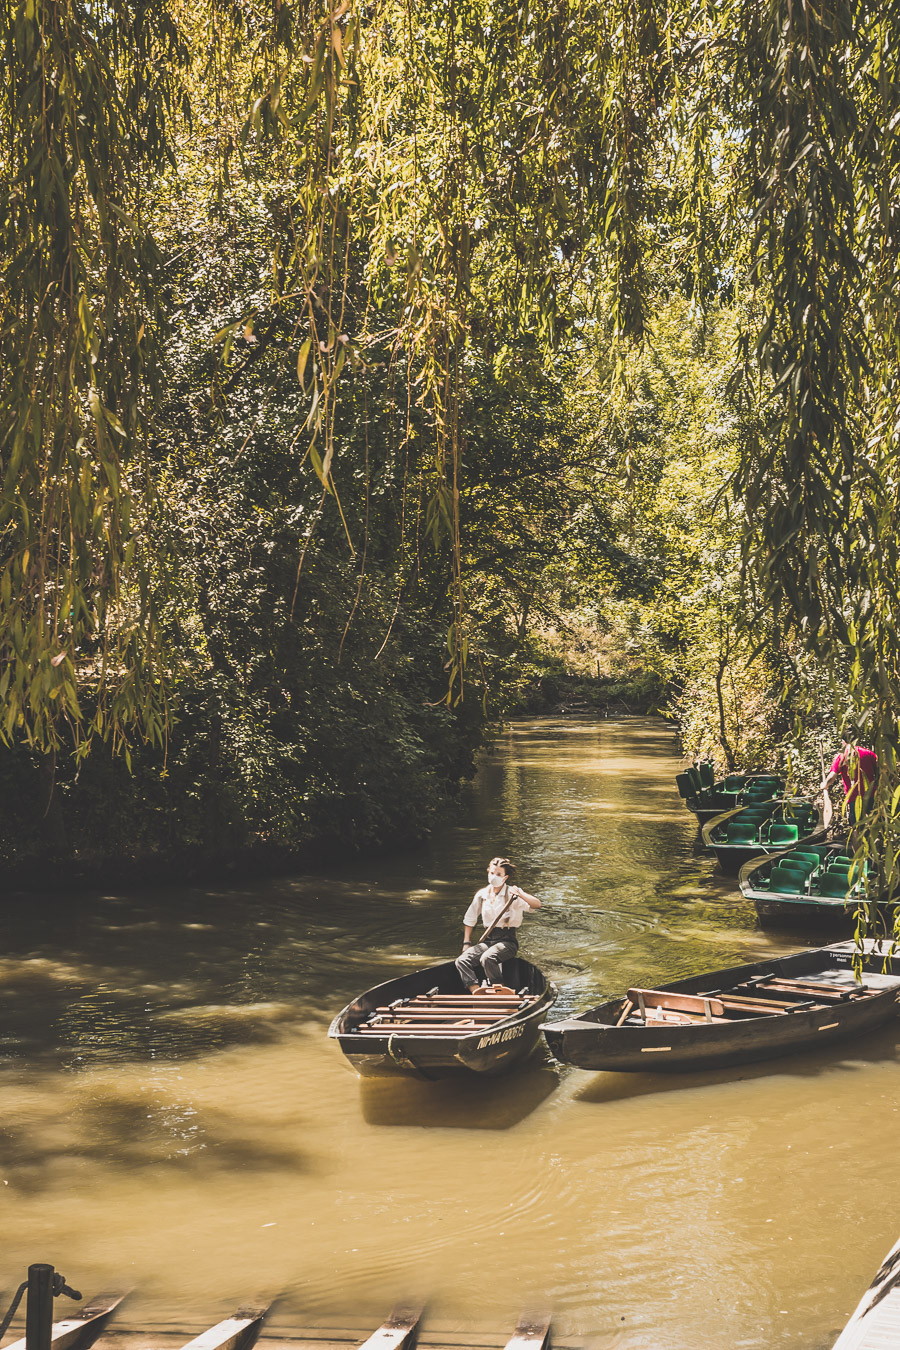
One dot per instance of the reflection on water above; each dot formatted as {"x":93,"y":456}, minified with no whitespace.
{"x":465,"y":1103}
{"x":172,"y":1114}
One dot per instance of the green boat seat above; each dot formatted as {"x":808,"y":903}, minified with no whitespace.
{"x":833,"y":885}
{"x":807,"y":854}
{"x":787,"y":880}
{"x":780,"y":833}
{"x":843,"y":869}
{"x":796,"y":865}
{"x":843,"y":873}
{"x":742,"y":831}
{"x":684,"y":785}
{"x":707,"y":773}
{"x":694,"y":776}
{"x":734,"y":782}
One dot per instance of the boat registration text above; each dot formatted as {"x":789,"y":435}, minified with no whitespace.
{"x":498,"y":1037}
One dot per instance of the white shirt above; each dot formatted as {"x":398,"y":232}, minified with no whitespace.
{"x":489,"y":903}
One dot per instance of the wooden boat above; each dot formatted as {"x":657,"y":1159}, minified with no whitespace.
{"x":427,"y":1023}
{"x":766,"y":827}
{"x":708,"y":798}
{"x":745,"y":1013}
{"x":817,"y":884}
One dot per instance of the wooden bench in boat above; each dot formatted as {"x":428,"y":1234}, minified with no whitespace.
{"x":660,"y":1001}
{"x":822,"y":991}
{"x":443,"y":1014}
{"x":764,"y":995}
{"x":643,"y":1006}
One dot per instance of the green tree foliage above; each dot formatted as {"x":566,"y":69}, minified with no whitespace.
{"x":343,"y":343}
{"x":82,"y":127}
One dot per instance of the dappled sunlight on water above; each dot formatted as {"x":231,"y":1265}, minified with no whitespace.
{"x":172,"y":1114}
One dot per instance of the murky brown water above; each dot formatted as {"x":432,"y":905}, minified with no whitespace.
{"x":173,"y":1116}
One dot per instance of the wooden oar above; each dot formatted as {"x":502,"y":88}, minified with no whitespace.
{"x":487,"y":932}
{"x":827,"y":804}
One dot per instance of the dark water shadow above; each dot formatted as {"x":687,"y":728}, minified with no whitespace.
{"x":135,"y":1135}
{"x":462,"y":1103}
{"x":848,"y":1057}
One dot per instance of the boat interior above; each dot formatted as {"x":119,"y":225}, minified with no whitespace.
{"x":437,"y":1014}
{"x":698,"y":782}
{"x":823,"y":870}
{"x":768,"y":822}
{"x":760,"y":996}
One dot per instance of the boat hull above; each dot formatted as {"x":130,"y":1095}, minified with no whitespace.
{"x":783,"y":911}
{"x":491,"y":1050}
{"x":593,"y":1041}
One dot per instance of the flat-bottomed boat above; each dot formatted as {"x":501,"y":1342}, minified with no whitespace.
{"x":426,"y":1023}
{"x":734,"y":1016}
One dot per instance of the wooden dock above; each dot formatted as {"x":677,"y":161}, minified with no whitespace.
{"x":102,"y":1322}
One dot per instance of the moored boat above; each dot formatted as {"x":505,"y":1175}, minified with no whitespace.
{"x":817,"y":884}
{"x":734,"y":1016}
{"x":427,"y":1023}
{"x":761,"y":828}
{"x":707,"y":798}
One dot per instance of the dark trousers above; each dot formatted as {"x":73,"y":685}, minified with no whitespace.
{"x":484,"y":959}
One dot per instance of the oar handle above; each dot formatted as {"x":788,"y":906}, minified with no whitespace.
{"x":827,"y":804}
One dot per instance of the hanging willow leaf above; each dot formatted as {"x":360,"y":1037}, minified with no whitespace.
{"x":79,"y":294}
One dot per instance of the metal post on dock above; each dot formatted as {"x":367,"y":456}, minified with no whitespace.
{"x":39,"y":1307}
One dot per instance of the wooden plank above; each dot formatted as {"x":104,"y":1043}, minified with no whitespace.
{"x":399,"y":1332}
{"x":453,"y":1010}
{"x":470,"y":1001}
{"x":433,"y":1033}
{"x":675,"y":1002}
{"x":487,"y":992}
{"x":532,"y":1331}
{"x":395,"y":1014}
{"x":821,"y":988}
{"x":83,"y":1328}
{"x":875,"y":1324}
{"x":237,"y":1332}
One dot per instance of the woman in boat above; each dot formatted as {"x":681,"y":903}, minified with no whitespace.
{"x":501,"y":901}
{"x":856,"y":767}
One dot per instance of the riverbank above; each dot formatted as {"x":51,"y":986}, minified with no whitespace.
{"x":172,"y":820}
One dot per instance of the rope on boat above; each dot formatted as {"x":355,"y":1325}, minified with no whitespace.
{"x":402,"y":1057}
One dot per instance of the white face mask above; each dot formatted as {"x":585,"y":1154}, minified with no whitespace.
{"x":496,"y":880}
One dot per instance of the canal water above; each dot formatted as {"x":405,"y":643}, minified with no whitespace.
{"x":173,"y":1117}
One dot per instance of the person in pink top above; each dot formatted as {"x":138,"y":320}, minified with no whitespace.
{"x":856,"y":767}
